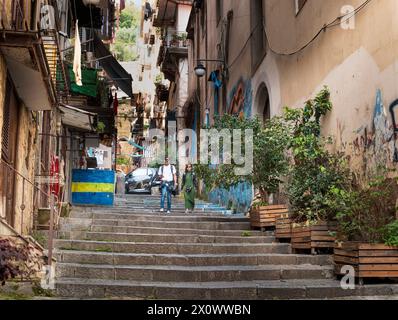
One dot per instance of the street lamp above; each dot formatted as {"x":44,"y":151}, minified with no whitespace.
{"x":200,"y":69}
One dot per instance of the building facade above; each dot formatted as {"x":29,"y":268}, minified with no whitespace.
{"x":269,"y":54}
{"x":50,"y":125}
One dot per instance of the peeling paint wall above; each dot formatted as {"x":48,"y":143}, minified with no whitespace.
{"x":359,"y":66}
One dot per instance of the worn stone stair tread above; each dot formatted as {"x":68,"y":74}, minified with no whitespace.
{"x":202,"y":268}
{"x":111,"y":258}
{"x":188,"y":231}
{"x":277,"y":284}
{"x":178,"y":235}
{"x":162,"y":217}
{"x":260,"y":245}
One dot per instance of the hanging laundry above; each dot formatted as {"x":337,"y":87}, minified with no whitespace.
{"x":77,"y":60}
{"x":148,"y":11}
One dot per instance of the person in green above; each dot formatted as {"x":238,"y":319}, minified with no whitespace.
{"x":189,"y":184}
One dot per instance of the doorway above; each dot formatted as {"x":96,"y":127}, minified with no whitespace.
{"x":262,"y":104}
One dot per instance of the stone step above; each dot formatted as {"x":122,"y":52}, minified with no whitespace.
{"x":160,"y":217}
{"x":237,"y":290}
{"x":171,"y":248}
{"x":159,"y":238}
{"x":123,"y":229}
{"x":90,"y":257}
{"x":173,"y":224}
{"x":192,"y":273}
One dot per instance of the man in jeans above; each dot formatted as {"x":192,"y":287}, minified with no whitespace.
{"x":168,"y":175}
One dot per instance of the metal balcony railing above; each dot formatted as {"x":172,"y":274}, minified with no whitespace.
{"x":176,"y":40}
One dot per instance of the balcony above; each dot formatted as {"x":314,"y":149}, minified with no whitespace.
{"x":175,"y":47}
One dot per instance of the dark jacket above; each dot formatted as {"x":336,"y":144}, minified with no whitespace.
{"x":195,"y":181}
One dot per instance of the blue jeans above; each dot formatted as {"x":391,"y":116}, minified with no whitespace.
{"x":166,"y":193}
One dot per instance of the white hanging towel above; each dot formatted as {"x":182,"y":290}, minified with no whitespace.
{"x":77,"y":63}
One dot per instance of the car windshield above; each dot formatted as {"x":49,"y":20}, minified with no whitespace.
{"x":140,"y":173}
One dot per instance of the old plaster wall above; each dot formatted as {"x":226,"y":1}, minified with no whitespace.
{"x":359,"y":66}
{"x":3,"y":79}
{"x":25,"y":164}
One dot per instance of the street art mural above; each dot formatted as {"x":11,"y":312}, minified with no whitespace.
{"x":240,"y":99}
{"x":238,"y":198}
{"x":376,"y":144}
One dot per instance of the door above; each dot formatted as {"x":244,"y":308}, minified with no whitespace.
{"x":8,"y":152}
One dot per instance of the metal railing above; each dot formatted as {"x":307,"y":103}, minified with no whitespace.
{"x":54,"y":214}
{"x":176,"y":40}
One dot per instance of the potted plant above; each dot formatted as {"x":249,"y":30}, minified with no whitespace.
{"x":270,"y":164}
{"x":314,"y":171}
{"x":368,"y":229}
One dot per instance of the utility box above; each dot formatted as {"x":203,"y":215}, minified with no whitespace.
{"x":93,"y":187}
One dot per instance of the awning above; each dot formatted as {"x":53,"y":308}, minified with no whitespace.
{"x":89,"y":79}
{"x":112,"y":67}
{"x":77,"y":118}
{"x":28,"y":68}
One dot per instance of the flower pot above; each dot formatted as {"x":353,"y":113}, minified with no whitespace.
{"x":283,"y":228}
{"x":368,"y":260}
{"x":265,"y":216}
{"x":315,"y":238}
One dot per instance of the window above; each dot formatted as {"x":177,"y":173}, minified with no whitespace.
{"x":258,"y":42}
{"x":299,"y":5}
{"x":218,"y":10}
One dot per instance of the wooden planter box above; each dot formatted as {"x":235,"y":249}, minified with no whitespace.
{"x":283,"y":229}
{"x":368,"y":260}
{"x":265,"y":217}
{"x":313,"y":237}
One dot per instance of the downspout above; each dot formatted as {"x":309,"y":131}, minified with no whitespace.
{"x":230,"y":15}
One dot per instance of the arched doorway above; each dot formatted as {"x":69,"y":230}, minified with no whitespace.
{"x":262,"y":104}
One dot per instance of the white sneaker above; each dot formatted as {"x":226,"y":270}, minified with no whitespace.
{"x":161,"y":210}
{"x":168,"y":212}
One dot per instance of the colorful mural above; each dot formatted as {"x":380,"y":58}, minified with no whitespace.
{"x":240,"y":99}
{"x":238,"y":197}
{"x":376,"y":145}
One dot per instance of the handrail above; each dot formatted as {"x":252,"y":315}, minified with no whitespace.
{"x":23,"y":177}
{"x":52,"y":203}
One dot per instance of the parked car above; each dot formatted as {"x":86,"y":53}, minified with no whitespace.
{"x":141,"y":180}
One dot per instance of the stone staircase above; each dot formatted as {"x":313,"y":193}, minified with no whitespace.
{"x":133,"y":251}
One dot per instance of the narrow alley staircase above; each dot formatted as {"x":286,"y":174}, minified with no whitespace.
{"x":132,"y":251}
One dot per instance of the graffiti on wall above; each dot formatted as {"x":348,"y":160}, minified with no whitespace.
{"x":238,"y":197}
{"x":376,"y":144}
{"x":240,"y":99}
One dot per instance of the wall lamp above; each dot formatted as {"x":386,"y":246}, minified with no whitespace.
{"x":200,"y":69}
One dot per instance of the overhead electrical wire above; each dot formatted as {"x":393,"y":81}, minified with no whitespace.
{"x":334,"y":23}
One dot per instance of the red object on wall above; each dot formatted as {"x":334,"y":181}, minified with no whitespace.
{"x":54,"y":175}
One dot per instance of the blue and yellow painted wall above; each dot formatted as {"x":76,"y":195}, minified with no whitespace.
{"x":93,"y":187}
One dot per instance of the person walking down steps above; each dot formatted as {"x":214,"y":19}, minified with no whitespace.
{"x":189,"y":185}
{"x":168,"y":176}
